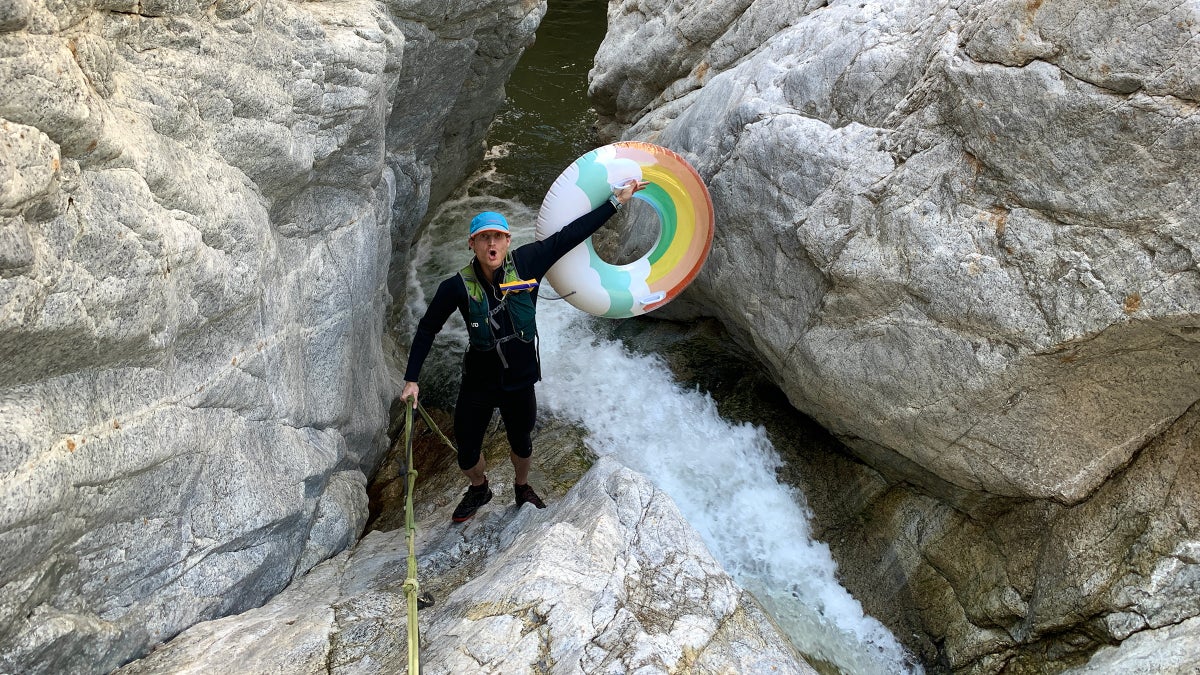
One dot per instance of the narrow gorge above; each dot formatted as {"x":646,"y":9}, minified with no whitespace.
{"x":954,"y":292}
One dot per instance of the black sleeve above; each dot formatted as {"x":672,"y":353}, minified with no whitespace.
{"x":535,"y":258}
{"x":451,"y":295}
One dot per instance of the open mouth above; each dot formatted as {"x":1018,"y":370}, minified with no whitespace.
{"x":492,"y":254}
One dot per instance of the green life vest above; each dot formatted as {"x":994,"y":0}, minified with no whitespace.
{"x":481,"y":321}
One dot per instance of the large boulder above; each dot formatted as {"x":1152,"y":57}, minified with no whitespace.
{"x":197,"y":204}
{"x":963,"y":237}
{"x":609,"y":579}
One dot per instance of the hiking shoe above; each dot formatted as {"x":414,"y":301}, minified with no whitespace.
{"x":526,"y":495}
{"x":474,"y":498}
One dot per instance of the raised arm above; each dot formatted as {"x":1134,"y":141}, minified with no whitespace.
{"x":537,"y":257}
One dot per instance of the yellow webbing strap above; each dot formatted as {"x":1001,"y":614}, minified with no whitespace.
{"x":411,"y":587}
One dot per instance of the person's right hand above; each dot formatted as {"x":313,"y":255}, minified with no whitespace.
{"x":625,"y":192}
{"x":410,"y":393}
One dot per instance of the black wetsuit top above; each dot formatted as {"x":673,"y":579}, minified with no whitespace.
{"x":483,"y":368}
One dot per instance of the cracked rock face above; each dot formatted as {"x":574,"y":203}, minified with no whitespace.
{"x":964,"y":237}
{"x":197,"y":206}
{"x":609,"y":579}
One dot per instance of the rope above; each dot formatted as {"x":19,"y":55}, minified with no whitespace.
{"x":556,"y":297}
{"x":411,"y":587}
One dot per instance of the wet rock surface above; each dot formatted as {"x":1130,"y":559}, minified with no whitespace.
{"x":608,"y":576}
{"x":1121,"y":564}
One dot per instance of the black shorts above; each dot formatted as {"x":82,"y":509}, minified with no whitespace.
{"x":473,"y":413}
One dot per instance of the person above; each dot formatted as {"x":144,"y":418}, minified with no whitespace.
{"x":501,"y":364}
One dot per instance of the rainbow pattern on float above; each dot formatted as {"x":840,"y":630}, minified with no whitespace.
{"x":685,"y":214}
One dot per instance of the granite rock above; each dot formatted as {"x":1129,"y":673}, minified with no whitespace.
{"x":963,"y":237}
{"x":609,"y":579}
{"x":197,"y":212}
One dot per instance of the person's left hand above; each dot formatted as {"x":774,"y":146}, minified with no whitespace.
{"x":625,"y":192}
{"x":410,"y":393}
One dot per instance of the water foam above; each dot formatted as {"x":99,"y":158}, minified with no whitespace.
{"x":722,"y":476}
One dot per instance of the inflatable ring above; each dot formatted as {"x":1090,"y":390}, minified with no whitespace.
{"x":685,"y":216}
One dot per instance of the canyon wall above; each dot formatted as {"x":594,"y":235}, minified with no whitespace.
{"x":197,"y":211}
{"x":962,"y":236}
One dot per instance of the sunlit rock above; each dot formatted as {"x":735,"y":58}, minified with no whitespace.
{"x":963,"y":237}
{"x":1167,"y":651}
{"x":611,"y":578}
{"x":196,"y":203}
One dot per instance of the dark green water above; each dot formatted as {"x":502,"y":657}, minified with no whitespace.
{"x":547,"y":122}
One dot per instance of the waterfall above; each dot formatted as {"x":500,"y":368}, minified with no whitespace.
{"x":720,"y":474}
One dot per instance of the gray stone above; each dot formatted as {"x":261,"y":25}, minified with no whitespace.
{"x":14,"y":15}
{"x":610,"y":578}
{"x":962,"y":236}
{"x":196,"y":220}
{"x":1167,"y":651}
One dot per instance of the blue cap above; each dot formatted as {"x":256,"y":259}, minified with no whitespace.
{"x":488,"y":220}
